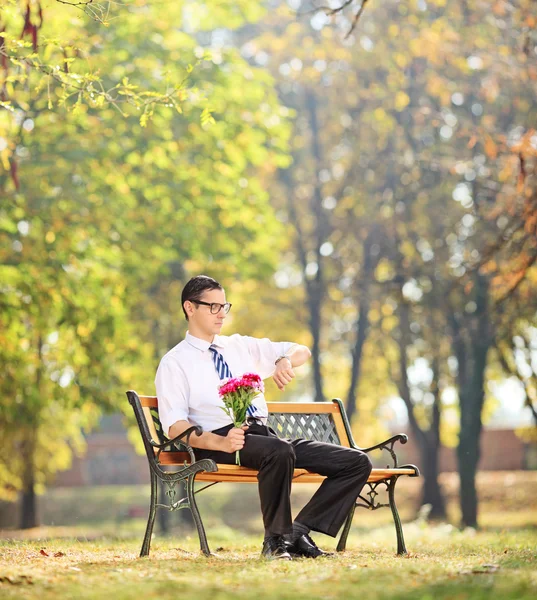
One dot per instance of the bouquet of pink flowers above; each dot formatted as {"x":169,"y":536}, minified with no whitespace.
{"x":237,"y":395}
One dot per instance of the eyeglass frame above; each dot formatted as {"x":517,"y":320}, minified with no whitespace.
{"x":211,"y":304}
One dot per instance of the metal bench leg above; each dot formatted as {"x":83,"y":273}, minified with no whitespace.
{"x":401,"y":548}
{"x":151,"y":518}
{"x":196,"y":515}
{"x":342,"y":544}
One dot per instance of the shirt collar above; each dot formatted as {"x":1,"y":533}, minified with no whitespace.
{"x":203,"y":345}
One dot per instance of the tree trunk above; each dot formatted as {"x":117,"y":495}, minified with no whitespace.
{"x":317,"y":286}
{"x":428,"y":440}
{"x":471,"y":346}
{"x":28,"y":512}
{"x":468,"y":451}
{"x":315,"y":328}
{"x":28,"y":507}
{"x":431,"y":491}
{"x":362,"y":322}
{"x":362,"y":329}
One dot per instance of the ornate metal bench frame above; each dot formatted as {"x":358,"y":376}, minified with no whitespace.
{"x":322,"y":421}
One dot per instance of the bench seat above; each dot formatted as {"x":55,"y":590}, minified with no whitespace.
{"x":236,"y":474}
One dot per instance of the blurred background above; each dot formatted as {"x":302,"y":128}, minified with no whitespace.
{"x":361,"y":178}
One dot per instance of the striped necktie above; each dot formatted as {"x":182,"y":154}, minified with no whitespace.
{"x":224,"y":372}
{"x":222,"y":368}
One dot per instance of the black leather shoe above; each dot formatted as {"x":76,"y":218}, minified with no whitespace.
{"x":274,"y":548}
{"x":305,"y":547}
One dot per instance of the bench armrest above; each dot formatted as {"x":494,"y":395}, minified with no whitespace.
{"x":387,"y":445}
{"x":178,"y":440}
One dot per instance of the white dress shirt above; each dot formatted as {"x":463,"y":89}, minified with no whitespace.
{"x":187,"y":381}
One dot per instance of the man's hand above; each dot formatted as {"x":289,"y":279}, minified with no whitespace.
{"x":234,"y":440}
{"x":284,"y":373}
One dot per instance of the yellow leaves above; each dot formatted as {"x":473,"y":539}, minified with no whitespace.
{"x":50,"y":237}
{"x":401,"y":101}
{"x":294,"y":29}
{"x":83,"y":330}
{"x":472,"y":142}
{"x":417,"y":48}
{"x":408,"y":249}
{"x":206,"y":117}
{"x":389,"y":323}
{"x":380,"y":114}
{"x":491,"y":149}
{"x":506,"y":173}
{"x":4,"y":157}
{"x":499,"y":8}
{"x":374,"y":315}
{"x":384,"y":270}
{"x":401,"y":60}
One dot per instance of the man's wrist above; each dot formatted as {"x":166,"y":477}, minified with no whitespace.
{"x":281,"y":358}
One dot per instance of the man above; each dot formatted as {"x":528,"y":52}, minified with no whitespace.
{"x":187,"y":383}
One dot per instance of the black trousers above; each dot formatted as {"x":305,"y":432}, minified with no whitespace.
{"x":346,"y":471}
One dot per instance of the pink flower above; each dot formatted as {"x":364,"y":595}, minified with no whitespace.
{"x":230,"y":386}
{"x":237,"y":395}
{"x":249,"y":381}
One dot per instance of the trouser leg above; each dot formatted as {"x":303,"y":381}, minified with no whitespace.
{"x":274,"y":459}
{"x":346,"y":471}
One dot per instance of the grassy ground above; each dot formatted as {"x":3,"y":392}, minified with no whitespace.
{"x":92,"y":558}
{"x":445,"y":563}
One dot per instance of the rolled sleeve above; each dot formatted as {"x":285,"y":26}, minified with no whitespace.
{"x":172,"y":393}
{"x":265,"y":353}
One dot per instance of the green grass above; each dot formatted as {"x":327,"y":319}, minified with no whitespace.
{"x":99,"y":550}
{"x":443,"y":563}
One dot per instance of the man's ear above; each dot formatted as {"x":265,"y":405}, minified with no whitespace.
{"x":189,"y":309}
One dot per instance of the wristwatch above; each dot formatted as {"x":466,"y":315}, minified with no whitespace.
{"x":282,"y":357}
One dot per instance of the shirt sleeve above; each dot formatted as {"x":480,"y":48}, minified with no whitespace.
{"x":172,"y":393}
{"x":265,"y":353}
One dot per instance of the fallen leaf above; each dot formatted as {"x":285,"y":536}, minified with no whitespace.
{"x":483,"y":569}
{"x":57,"y":554}
{"x":16,"y":580}
{"x":42,"y":552}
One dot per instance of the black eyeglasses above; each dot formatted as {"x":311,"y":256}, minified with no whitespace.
{"x":216,"y":307}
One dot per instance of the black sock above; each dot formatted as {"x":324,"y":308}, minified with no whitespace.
{"x":298,"y":530}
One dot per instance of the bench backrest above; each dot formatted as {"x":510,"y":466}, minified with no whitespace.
{"x":318,"y":421}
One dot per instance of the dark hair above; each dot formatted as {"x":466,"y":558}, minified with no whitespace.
{"x":194,"y":289}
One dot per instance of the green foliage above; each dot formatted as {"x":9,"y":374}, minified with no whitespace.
{"x":104,"y":216}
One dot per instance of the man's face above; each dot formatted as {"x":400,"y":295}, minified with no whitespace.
{"x":200,"y":316}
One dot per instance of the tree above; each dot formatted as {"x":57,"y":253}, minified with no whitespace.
{"x":106,"y":219}
{"x":412,"y":110}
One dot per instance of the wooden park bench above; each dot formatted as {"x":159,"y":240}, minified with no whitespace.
{"x":174,"y":461}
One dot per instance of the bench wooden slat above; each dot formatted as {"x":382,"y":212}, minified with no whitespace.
{"x":244,"y":475}
{"x":236,"y":474}
{"x":303,"y":407}
{"x":149,"y":401}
